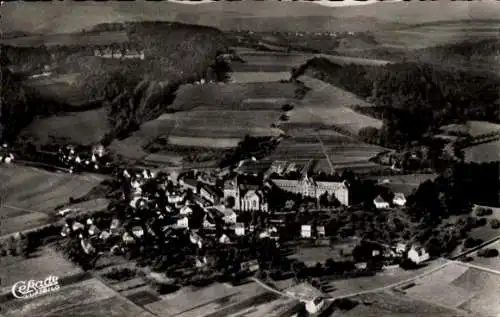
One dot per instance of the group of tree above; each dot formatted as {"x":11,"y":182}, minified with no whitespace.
{"x":413,"y":99}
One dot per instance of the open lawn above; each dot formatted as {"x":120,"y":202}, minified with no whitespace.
{"x":459,"y":286}
{"x":29,"y":195}
{"x":89,"y":298}
{"x":86,"y":127}
{"x":395,"y":305}
{"x":43,"y":263}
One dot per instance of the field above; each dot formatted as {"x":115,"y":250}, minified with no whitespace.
{"x":194,"y":302}
{"x":330,"y":106}
{"x":344,"y":152}
{"x":44,"y":263}
{"x":459,"y":286}
{"x":88,"y":298}
{"x":258,"y":76}
{"x":214,"y":116}
{"x":483,"y":153}
{"x":30,"y":195}
{"x":385,"y":279}
{"x":70,"y":126}
{"x":438,"y":34}
{"x":396,"y":305}
{"x":482,"y":127}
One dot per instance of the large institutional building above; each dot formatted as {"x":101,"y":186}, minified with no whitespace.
{"x":306,"y":185}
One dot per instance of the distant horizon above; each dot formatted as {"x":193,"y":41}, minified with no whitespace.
{"x":326,"y":3}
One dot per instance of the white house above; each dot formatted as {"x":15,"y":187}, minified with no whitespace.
{"x":183,"y":222}
{"x":380,"y":203}
{"x":239,"y":229}
{"x":399,"y":199}
{"x":138,"y":231}
{"x":418,"y":254}
{"x":305,"y":231}
{"x":186,"y":210}
{"x":224,"y":239}
{"x":77,"y":226}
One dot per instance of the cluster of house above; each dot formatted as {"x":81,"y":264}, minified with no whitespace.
{"x":119,"y":53}
{"x":94,"y":159}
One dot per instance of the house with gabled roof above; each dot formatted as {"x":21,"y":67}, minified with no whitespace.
{"x":380,"y":203}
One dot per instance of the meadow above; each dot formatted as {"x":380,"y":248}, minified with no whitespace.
{"x":396,"y":305}
{"x":69,"y":127}
{"x":87,"y":298}
{"x":64,"y":89}
{"x":459,"y":286}
{"x":483,"y":153}
{"x":41,"y":264}
{"x":30,"y":195}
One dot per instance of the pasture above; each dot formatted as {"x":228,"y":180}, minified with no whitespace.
{"x":44,"y":262}
{"x":459,"y":286}
{"x":87,"y":298}
{"x":30,"y":195}
{"x":85,"y":128}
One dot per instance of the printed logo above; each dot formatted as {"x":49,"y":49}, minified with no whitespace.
{"x":32,"y":288}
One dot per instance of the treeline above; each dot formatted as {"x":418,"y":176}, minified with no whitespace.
{"x":414,"y":98}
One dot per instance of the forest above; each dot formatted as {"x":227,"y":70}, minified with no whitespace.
{"x":132,"y":90}
{"x":412,"y":99}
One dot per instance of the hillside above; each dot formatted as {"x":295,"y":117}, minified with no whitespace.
{"x":133,"y":90}
{"x":412,"y":108}
{"x":74,"y":16}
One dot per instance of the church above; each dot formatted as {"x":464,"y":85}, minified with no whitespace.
{"x":247,"y":197}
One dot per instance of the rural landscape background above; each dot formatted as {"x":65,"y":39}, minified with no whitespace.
{"x":389,"y":97}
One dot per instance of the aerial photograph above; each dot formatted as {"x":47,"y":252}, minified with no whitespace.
{"x":250,"y":158}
